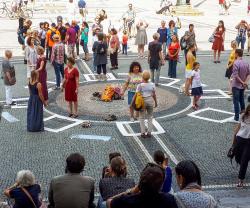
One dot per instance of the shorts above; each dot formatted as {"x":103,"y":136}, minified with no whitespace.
{"x":130,"y":97}
{"x":188,"y":74}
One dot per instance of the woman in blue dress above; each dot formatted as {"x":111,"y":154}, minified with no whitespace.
{"x":35,"y":104}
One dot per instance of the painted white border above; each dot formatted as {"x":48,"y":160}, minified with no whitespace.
{"x":120,"y":126}
{"x":76,"y":123}
{"x":219,"y":91}
{"x":194,"y":115}
{"x":92,"y":77}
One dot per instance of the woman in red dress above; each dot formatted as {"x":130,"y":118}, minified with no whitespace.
{"x":71,"y":84}
{"x":218,"y":44}
{"x":41,"y":68}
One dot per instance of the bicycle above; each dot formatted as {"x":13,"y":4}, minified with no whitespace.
{"x":19,"y":12}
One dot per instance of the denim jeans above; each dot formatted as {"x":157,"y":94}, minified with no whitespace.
{"x":155,"y":75}
{"x":241,"y":41}
{"x":59,"y":71}
{"x":125,"y":49}
{"x":238,"y":101}
{"x":172,"y":64}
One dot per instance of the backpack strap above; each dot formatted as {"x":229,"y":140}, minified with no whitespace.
{"x":29,"y":196}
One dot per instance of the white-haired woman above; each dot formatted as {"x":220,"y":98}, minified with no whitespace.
{"x":25,"y":191}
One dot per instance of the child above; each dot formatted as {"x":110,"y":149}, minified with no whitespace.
{"x":196,"y":85}
{"x":134,"y":78}
{"x":8,"y":75}
{"x":125,"y":43}
{"x":42,"y":34}
{"x":161,"y":160}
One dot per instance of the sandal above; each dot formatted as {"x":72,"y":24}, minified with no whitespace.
{"x":194,"y":108}
{"x":74,"y":116}
{"x":70,"y":115}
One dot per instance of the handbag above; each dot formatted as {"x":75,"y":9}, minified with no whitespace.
{"x":43,"y":205}
{"x":211,"y":39}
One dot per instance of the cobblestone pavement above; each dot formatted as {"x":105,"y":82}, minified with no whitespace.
{"x":203,"y":137}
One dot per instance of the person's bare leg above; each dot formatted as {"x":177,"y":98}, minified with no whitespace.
{"x":70,"y":108}
{"x":215,"y":55}
{"x":218,"y":56}
{"x":131,"y":110}
{"x":187,"y":86}
{"x":76,"y":108}
{"x":142,"y":50}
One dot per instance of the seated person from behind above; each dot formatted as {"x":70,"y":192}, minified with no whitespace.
{"x":72,"y":190}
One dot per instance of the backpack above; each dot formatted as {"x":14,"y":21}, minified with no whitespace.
{"x":139,"y":101}
{"x":52,"y":34}
{"x":108,"y":94}
{"x":183,"y":43}
{"x":81,"y":4}
{"x":101,"y":48}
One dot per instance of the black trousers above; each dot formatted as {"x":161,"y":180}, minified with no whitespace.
{"x":77,"y":48}
{"x":101,"y":69}
{"x":114,"y":59}
{"x":243,"y":148}
{"x":48,"y":53}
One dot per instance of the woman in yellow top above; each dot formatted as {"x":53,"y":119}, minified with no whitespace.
{"x":230,"y":64}
{"x":189,"y":67}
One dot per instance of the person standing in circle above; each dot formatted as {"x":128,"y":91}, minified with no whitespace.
{"x":219,"y":38}
{"x":147,"y":89}
{"x":197,"y":91}
{"x":100,"y":48}
{"x":155,"y":58}
{"x":173,"y":54}
{"x":71,"y":84}
{"x":35,"y":104}
{"x":242,"y":145}
{"x":188,"y":71}
{"x":163,"y":36}
{"x":172,"y":30}
{"x":41,"y":68}
{"x":230,"y":64}
{"x":134,"y":78}
{"x":141,"y":38}
{"x":31,"y":56}
{"x":114,"y":47}
{"x":242,"y":31}
{"x":85,"y":39}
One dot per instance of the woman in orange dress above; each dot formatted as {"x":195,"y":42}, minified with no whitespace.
{"x":218,"y":44}
{"x":71,"y":84}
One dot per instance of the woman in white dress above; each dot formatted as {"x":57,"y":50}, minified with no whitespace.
{"x":31,"y":56}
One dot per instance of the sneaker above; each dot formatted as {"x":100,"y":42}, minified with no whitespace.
{"x":233,"y":120}
{"x":132,"y":119}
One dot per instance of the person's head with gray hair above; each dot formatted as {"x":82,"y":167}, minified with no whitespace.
{"x":156,"y":36}
{"x":25,"y":178}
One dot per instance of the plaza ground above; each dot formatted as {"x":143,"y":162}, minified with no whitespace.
{"x":203,"y":136}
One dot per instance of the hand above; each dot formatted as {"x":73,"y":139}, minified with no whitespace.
{"x":46,"y":103}
{"x":162,"y":62}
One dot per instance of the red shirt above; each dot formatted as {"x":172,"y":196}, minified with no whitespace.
{"x":124,"y":39}
{"x":172,"y":49}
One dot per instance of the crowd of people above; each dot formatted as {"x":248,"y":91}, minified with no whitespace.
{"x":116,"y":187}
{"x":59,"y":44}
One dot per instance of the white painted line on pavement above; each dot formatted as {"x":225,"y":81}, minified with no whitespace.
{"x":169,"y":153}
{"x":138,"y":141}
{"x":222,"y":94}
{"x":87,"y":67}
{"x":19,"y":106}
{"x":194,"y":115}
{"x":7,"y":116}
{"x":124,"y":132}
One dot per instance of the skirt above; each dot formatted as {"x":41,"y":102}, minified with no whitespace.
{"x":197,"y":91}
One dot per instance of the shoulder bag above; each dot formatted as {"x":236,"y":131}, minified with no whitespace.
{"x":32,"y":201}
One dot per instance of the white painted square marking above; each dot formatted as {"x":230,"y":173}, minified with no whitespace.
{"x":195,"y":115}
{"x":7,"y":116}
{"x":221,"y":94}
{"x":173,"y":81}
{"x":76,"y":123}
{"x":124,"y":132}
{"x":92,"y":77}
